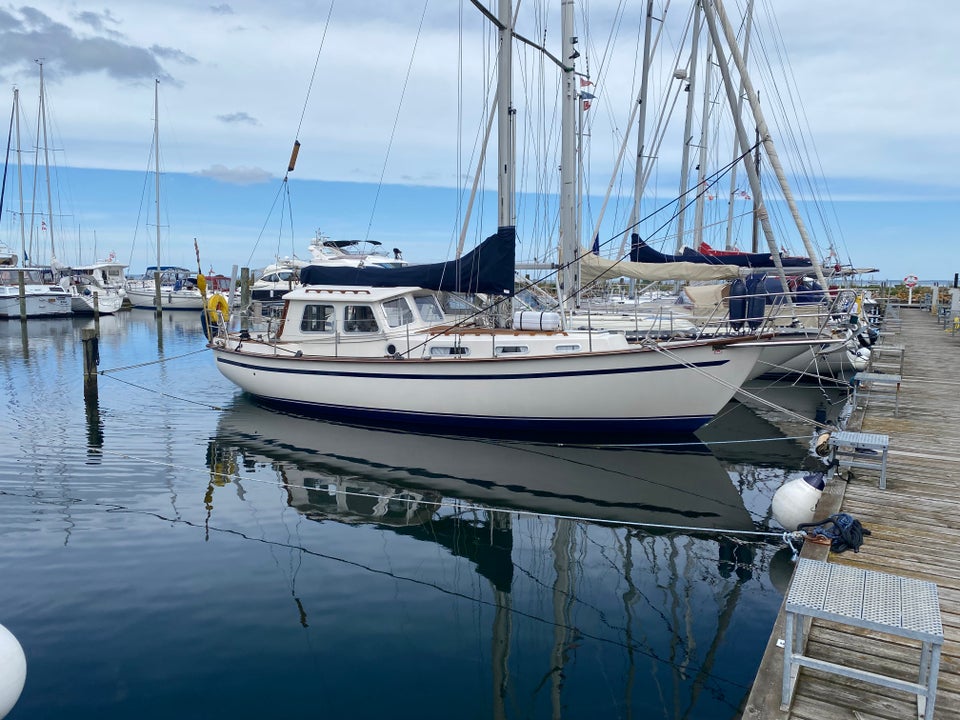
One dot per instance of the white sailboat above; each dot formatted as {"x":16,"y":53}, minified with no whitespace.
{"x":28,"y":291}
{"x":385,"y":356}
{"x":163,"y":287}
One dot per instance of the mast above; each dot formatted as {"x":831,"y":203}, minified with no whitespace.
{"x":765,"y":135}
{"x":748,"y":25}
{"x":569,"y":243}
{"x":742,"y":136}
{"x":688,"y":125}
{"x":506,"y":182}
{"x":642,"y":122}
{"x":23,"y":234}
{"x":46,"y":164}
{"x":156,"y":150}
{"x":702,"y":155}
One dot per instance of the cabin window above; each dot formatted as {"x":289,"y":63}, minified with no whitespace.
{"x":317,"y":318}
{"x":359,"y":319}
{"x":449,"y":351}
{"x":429,"y":308}
{"x":512,"y":350}
{"x":398,"y":312}
{"x":568,"y":348}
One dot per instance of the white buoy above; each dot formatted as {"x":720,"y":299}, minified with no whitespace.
{"x":796,"y":501}
{"x":13,"y":671}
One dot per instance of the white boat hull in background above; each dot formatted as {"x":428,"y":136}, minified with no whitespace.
{"x":97,"y":301}
{"x":170,"y":299}
{"x":40,"y":302}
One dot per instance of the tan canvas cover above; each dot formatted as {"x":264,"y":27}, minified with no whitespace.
{"x":593,"y":268}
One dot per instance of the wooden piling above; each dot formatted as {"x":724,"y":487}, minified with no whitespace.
{"x":244,"y":297}
{"x":157,"y":300}
{"x":91,"y":358}
{"x":22,"y":287}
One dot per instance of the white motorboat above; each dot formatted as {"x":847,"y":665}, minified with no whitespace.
{"x":95,"y":288}
{"x":41,"y":298}
{"x":276,"y":280}
{"x":353,"y":253}
{"x":284,"y":275}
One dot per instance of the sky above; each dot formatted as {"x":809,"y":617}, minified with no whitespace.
{"x":389,"y":101}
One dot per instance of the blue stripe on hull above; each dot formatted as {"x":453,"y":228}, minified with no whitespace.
{"x":546,"y":429}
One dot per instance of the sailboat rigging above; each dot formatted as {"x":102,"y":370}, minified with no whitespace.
{"x":28,"y":291}
{"x":163,"y":286}
{"x":388,"y":356}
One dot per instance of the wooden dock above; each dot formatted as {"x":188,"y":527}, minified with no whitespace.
{"x":915,"y":532}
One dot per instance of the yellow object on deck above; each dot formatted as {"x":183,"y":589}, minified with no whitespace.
{"x":218,"y":306}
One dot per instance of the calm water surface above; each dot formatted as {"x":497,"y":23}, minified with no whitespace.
{"x":175,"y":550}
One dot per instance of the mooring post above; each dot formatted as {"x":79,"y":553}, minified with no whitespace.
{"x":91,"y":358}
{"x":157,"y":300}
{"x":22,"y":287}
{"x":244,"y":298}
{"x":96,"y":307}
{"x":233,"y":287}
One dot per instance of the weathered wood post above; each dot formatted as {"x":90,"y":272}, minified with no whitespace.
{"x":157,"y":300}
{"x":22,"y":287}
{"x":91,"y":358}
{"x":244,"y":298}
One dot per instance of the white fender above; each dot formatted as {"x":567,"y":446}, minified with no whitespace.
{"x":13,"y":671}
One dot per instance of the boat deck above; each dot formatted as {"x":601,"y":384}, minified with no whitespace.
{"x":915,"y":532}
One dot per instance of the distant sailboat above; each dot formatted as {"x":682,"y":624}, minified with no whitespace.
{"x":163,"y":287}
{"x":26,"y":291}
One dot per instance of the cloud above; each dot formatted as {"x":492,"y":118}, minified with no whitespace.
{"x":99,"y":21}
{"x":238,"y":118}
{"x":239,"y":175}
{"x":31,"y":34}
{"x":168,"y":53}
{"x":222,"y":9}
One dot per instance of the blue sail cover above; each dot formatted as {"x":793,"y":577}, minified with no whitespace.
{"x":641,"y":252}
{"x":487,"y":269}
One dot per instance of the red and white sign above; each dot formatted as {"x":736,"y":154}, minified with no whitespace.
{"x":910,"y":281}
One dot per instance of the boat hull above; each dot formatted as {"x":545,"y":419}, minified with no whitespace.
{"x":620,"y":393}
{"x":106,"y":303}
{"x":43,"y":304}
{"x":170,"y":299}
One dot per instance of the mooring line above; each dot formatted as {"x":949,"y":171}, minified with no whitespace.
{"x":151,"y":362}
{"x":454,"y":505}
{"x":163,"y":394}
{"x":747,"y":393}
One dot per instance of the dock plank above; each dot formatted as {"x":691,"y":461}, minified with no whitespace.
{"x":915,"y":530}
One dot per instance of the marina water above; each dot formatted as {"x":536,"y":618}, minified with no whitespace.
{"x":173,"y":549}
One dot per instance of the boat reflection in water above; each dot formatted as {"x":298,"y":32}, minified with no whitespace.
{"x":684,"y":486}
{"x":551,"y":531}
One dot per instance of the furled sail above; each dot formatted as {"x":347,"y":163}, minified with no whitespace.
{"x":487,"y":269}
{"x":597,"y":268}
{"x":643,"y":253}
